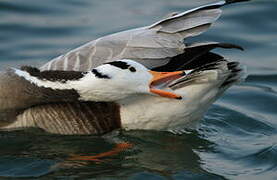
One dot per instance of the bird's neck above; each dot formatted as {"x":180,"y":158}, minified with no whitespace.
{"x":29,"y":87}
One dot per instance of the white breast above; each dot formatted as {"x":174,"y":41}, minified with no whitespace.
{"x":150,"y":112}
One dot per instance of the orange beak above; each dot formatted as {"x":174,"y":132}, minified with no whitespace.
{"x":163,"y":77}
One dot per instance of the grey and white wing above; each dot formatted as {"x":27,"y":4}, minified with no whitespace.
{"x":153,"y":45}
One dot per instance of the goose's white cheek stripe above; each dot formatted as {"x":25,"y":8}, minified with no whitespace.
{"x":81,"y":86}
{"x":43,"y":83}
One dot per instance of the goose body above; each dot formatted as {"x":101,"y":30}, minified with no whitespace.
{"x":158,"y":47}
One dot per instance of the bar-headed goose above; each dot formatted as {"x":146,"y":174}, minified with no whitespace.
{"x":143,"y":99}
{"x":55,"y":100}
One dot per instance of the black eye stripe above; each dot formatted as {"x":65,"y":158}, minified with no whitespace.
{"x":122,"y":65}
{"x":100,"y":75}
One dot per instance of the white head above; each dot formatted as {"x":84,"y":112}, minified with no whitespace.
{"x":108,"y":82}
{"x":119,"y":79}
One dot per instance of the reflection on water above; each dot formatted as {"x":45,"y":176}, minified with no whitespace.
{"x":158,"y":153}
{"x":236,"y":139}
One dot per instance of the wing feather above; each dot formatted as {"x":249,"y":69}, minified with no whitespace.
{"x":152,"y":45}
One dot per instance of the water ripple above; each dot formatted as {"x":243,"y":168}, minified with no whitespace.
{"x":236,"y":139}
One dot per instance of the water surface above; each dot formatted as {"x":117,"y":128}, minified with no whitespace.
{"x":237,"y":138}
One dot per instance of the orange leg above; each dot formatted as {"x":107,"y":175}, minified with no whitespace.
{"x":97,"y":158}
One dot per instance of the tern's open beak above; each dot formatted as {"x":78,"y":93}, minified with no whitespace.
{"x":163,"y":77}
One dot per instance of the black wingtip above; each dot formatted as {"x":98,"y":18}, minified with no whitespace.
{"x":234,"y":1}
{"x":212,"y":45}
{"x":230,"y":46}
{"x":222,"y":3}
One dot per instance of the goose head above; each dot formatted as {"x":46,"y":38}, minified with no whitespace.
{"x":111,"y":81}
{"x":119,"y":79}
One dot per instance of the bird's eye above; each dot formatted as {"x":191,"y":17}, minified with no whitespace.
{"x":132,"y":69}
{"x":99,"y":74}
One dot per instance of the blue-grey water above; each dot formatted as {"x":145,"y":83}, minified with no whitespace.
{"x":237,"y":138}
